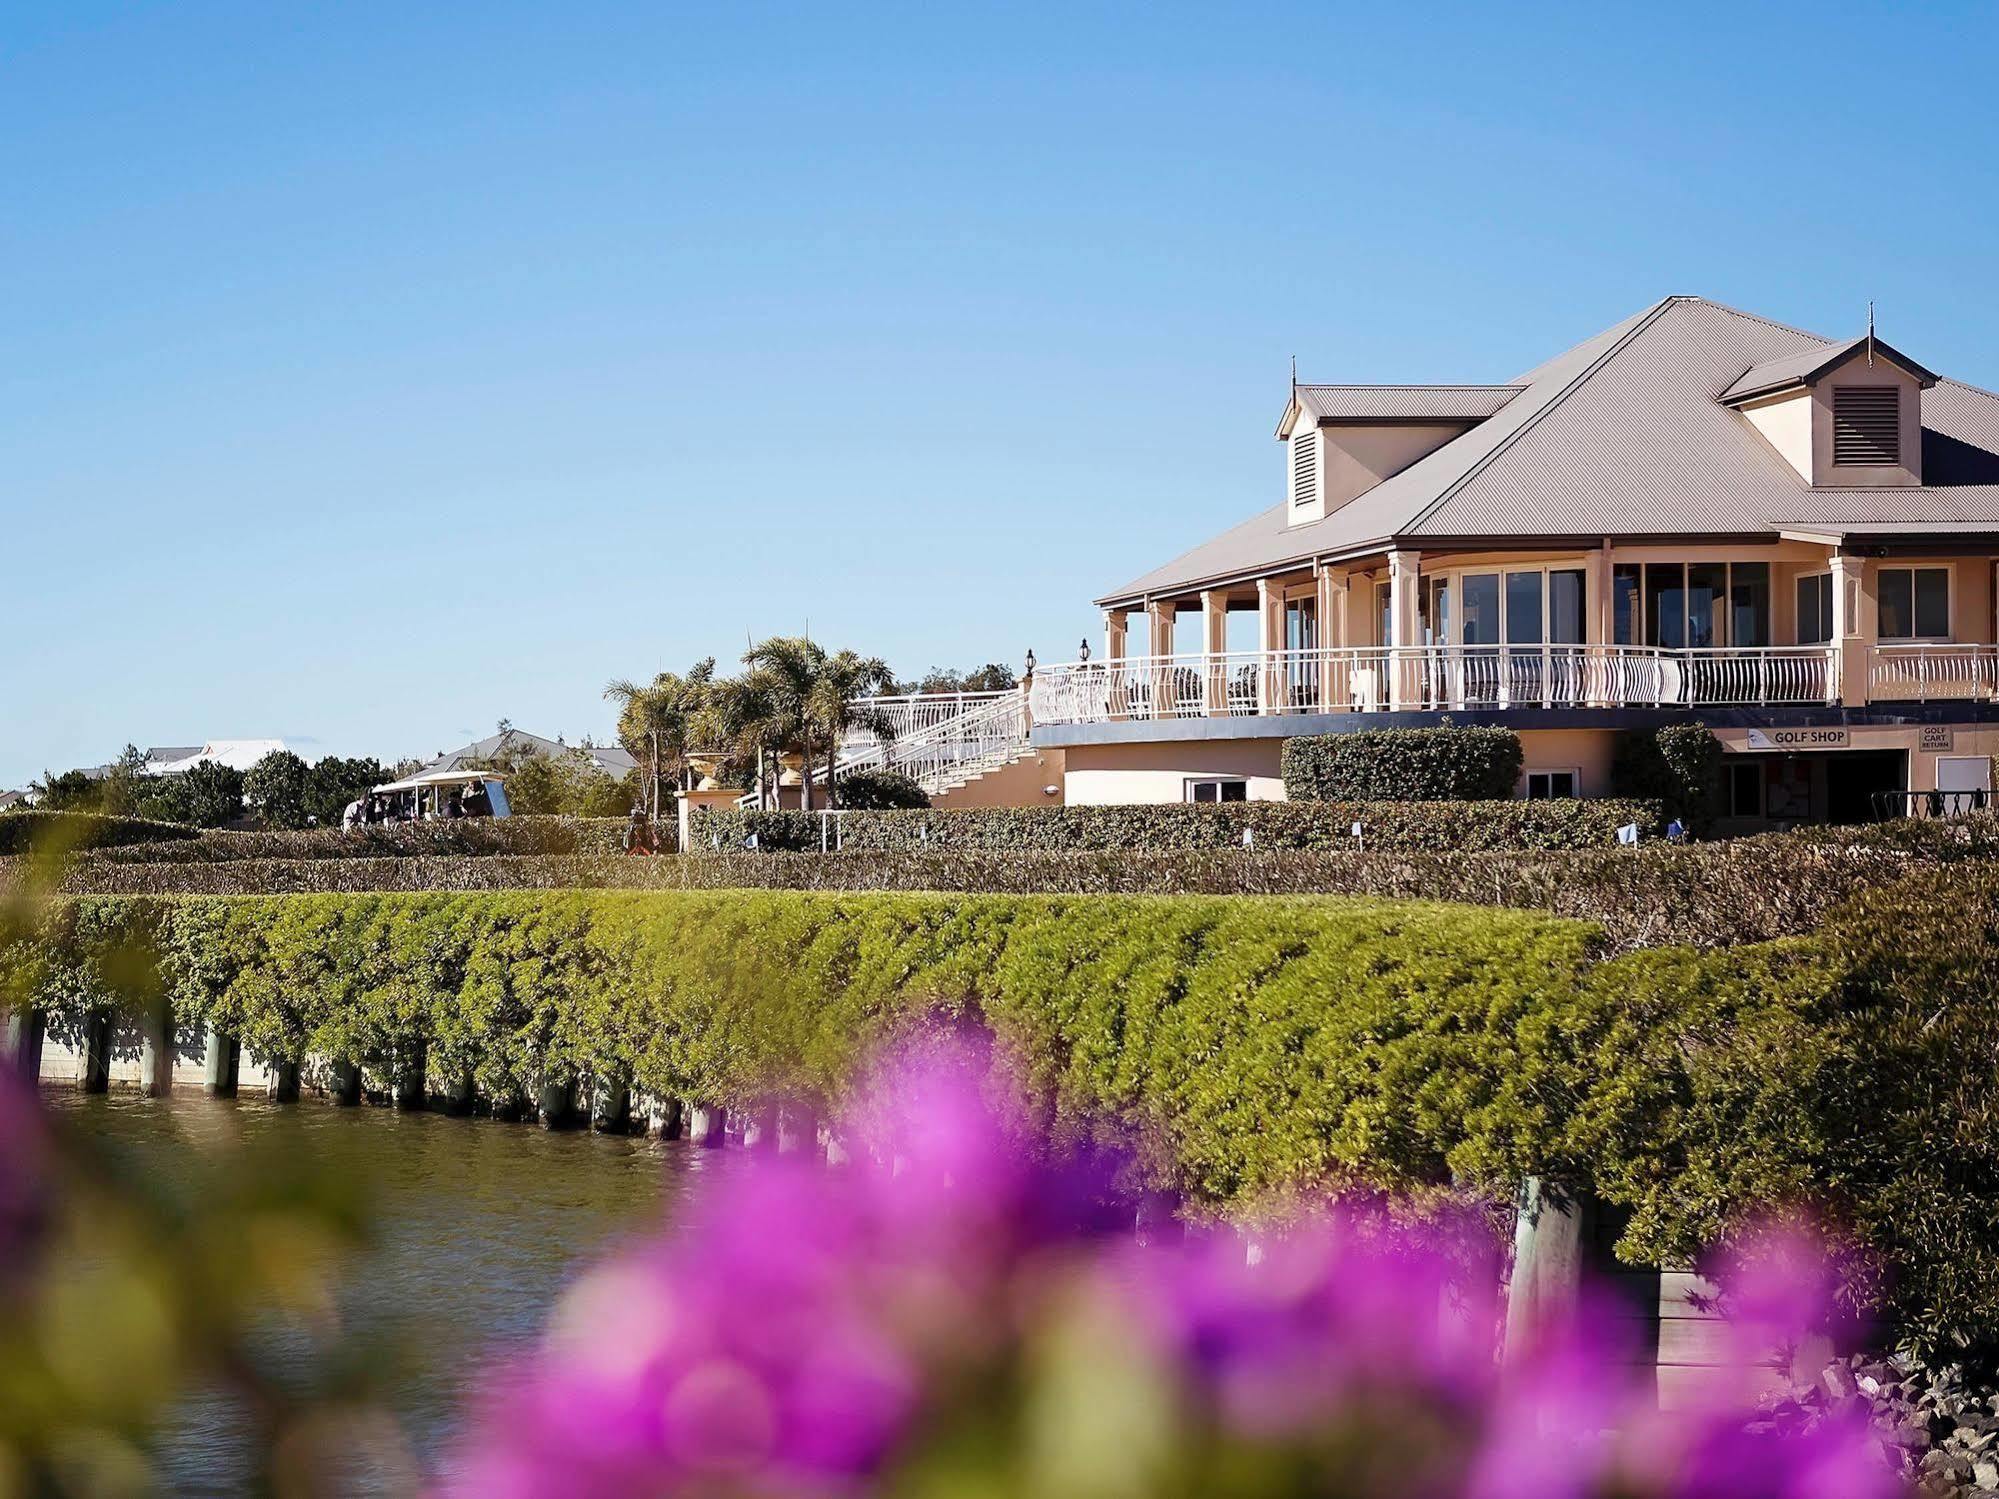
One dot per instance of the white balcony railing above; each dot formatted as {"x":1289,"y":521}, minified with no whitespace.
{"x":1933,"y":672}
{"x":1376,"y":678}
{"x":943,"y":738}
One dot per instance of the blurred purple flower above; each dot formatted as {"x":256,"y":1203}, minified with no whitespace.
{"x":25,"y":1170}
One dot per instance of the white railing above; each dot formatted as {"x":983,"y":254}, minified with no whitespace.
{"x":1419,"y":678}
{"x":1933,"y":672}
{"x":950,"y":737}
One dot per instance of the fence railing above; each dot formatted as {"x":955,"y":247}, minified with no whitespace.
{"x":945,"y":737}
{"x":1931,"y":672}
{"x":1377,"y":678}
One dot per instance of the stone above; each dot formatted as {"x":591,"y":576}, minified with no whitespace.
{"x":1985,"y":1473}
{"x":1837,"y":1381}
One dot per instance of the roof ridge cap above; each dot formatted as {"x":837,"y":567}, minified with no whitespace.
{"x":1646,"y":319}
{"x":1756,"y":317}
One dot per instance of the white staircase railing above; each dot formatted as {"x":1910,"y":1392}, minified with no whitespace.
{"x":950,"y":737}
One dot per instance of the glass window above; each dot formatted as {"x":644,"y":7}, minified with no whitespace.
{"x":1627,"y":616}
{"x":1566,"y":593}
{"x":1914,"y":602}
{"x":1666,"y":605}
{"x":1745,"y":788}
{"x":1384,"y":609}
{"x":1301,"y":625}
{"x":1523,"y":608}
{"x":1707,"y":604}
{"x":1933,"y":602}
{"x":1437,"y":611}
{"x":1815,"y":609}
{"x":1749,"y":603}
{"x":1550,"y":785}
{"x":1481,"y":607}
{"x":1218,"y":791}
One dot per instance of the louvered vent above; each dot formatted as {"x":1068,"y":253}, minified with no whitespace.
{"x":1866,"y":427}
{"x":1304,"y":468}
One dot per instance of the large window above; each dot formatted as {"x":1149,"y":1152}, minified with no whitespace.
{"x":1815,"y":609}
{"x":1914,"y":601}
{"x":1702,"y":605}
{"x":1218,"y":789}
{"x":1550,"y":785}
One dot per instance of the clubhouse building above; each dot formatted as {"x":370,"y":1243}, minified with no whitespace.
{"x":1697,"y":514}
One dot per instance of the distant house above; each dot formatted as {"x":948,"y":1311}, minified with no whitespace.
{"x":13,"y":801}
{"x":173,"y":759}
{"x":612,"y":759}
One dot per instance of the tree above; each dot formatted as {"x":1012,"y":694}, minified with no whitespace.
{"x":333,"y":782}
{"x":992,"y":677}
{"x":206,"y":796}
{"x":72,"y":791}
{"x":751,"y":716}
{"x":658,"y":724}
{"x":838,"y":704}
{"x":276,"y":788}
{"x":124,"y":784}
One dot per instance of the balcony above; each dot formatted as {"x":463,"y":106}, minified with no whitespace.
{"x":1441,"y":678}
{"x":1933,"y":673}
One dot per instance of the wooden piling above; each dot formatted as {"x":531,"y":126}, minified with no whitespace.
{"x":95,"y":1073}
{"x":25,"y":1029}
{"x":708,"y":1125}
{"x":221,"y":1056}
{"x":409,"y":1084}
{"x":555,"y":1102}
{"x":156,"y":1054}
{"x":610,"y":1103}
{"x":346,"y":1082}
{"x":281,"y":1082}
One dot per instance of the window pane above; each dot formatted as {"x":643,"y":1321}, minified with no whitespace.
{"x":1387,"y":613}
{"x":1523,"y":608}
{"x":1745,"y":788}
{"x":1440,"y":612}
{"x":1895,"y":588}
{"x":1565,"y":607}
{"x":1665,"y":605}
{"x":1625,"y":613}
{"x":1933,"y":601}
{"x":1233,"y":791}
{"x":1481,"y":606}
{"x":1749,"y":603}
{"x":1811,"y":595}
{"x":1825,"y":606}
{"x":1202,"y":791}
{"x":1707,"y":603}
{"x":1301,"y":625}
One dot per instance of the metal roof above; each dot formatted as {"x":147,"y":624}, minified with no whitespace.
{"x":1403,"y":403}
{"x":1624,"y":434}
{"x":613,"y":759}
{"x":1807,"y":365}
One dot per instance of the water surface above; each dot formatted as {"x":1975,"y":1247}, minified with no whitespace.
{"x":480,"y":1225}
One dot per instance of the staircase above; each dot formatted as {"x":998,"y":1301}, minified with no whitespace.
{"x":951,"y":742}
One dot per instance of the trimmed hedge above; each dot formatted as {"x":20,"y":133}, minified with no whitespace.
{"x":1678,"y":765}
{"x":465,"y":837}
{"x":1140,"y":830}
{"x":1403,"y":765}
{"x":1701,"y":895}
{"x":1245,"y":1050}
{"x":23,"y":832}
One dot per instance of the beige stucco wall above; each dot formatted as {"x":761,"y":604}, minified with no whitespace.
{"x":1101,"y":775}
{"x":1786,"y":424}
{"x":1586,"y":751}
{"x":1024,"y":783}
{"x":1359,"y":456}
{"x":1857,"y":371}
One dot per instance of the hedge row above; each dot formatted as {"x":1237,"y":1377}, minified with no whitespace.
{"x":1442,"y":825}
{"x":1701,"y":895}
{"x":1403,"y":765}
{"x":1243,"y":1049}
{"x":466,"y":837}
{"x":22,"y":832}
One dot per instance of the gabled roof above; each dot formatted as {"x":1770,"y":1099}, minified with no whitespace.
{"x":1802,"y":368}
{"x":1401,"y":403}
{"x":1622,"y":435}
{"x":613,"y":759}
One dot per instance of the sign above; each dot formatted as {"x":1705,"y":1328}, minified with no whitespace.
{"x":1628,"y":835}
{"x":1797,"y":739}
{"x":1934,"y":736}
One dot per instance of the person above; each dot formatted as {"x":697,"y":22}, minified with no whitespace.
{"x":352,"y":815}
{"x":1676,"y":831}
{"x":477,"y":802}
{"x":635,"y":831}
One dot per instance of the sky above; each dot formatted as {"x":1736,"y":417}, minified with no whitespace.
{"x":376,"y":372}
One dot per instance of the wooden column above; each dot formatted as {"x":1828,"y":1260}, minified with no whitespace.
{"x":1855,"y":623}
{"x":1215,"y":644}
{"x":1403,"y":580}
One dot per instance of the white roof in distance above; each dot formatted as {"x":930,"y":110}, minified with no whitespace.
{"x":237,"y":754}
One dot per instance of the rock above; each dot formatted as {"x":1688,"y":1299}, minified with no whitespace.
{"x":1837,"y":1381}
{"x":1985,"y":1473}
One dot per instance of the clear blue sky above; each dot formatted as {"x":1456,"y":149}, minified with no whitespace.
{"x":375,"y":371}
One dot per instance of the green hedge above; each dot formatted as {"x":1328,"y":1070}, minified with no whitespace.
{"x":1244,"y":1049}
{"x":1678,"y":765}
{"x":1139,"y":830}
{"x":22,"y":832}
{"x":1403,"y":765}
{"x":465,"y":837}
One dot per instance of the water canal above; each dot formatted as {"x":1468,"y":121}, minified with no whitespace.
{"x":479,"y":1226}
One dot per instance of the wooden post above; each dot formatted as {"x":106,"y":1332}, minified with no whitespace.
{"x":95,"y":1076}
{"x":346,"y":1082}
{"x":156,"y":1053}
{"x":25,"y":1029}
{"x":220,"y":1056}
{"x":1550,"y":1245}
{"x":708,"y":1125}
{"x":281,"y":1085}
{"x":663,"y":1119}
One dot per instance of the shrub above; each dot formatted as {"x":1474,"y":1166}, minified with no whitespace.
{"x":21,"y":832}
{"x":1179,"y":825}
{"x":1403,"y":765}
{"x":469,"y":837}
{"x":1678,"y":766}
{"x":207,"y":795}
{"x":871,"y":790}
{"x":275,"y":787}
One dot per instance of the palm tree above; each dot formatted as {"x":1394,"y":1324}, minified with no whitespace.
{"x":658,"y":723}
{"x":747,"y":716}
{"x":840,"y":703}
{"x":791,"y":667}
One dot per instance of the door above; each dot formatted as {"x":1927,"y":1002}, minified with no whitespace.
{"x":1964,"y":783}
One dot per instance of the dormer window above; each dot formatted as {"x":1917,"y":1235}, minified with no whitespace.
{"x":1866,"y":426}
{"x":1304,"y":469}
